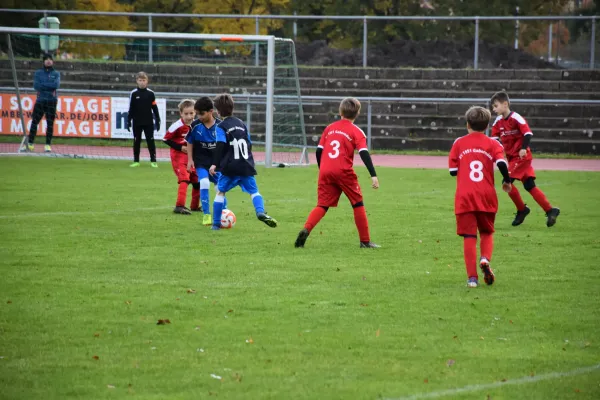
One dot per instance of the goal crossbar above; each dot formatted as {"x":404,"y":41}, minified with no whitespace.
{"x":268,"y":39}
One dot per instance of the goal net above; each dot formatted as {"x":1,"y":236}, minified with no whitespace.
{"x":87,"y":118}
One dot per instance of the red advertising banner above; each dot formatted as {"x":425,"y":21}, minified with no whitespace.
{"x":76,"y":116}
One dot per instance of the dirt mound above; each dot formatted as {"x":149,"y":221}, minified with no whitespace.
{"x":425,"y":54}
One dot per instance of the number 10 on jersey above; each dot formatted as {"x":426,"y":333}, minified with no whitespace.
{"x":240,"y":147}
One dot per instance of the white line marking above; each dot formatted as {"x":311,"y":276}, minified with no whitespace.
{"x":518,"y":381}
{"x":59,"y":213}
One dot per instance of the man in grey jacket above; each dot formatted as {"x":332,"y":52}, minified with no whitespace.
{"x":46,"y":82}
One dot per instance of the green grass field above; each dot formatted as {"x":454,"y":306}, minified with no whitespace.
{"x":92,"y":257}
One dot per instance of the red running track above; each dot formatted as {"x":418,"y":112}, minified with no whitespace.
{"x":380,"y":160}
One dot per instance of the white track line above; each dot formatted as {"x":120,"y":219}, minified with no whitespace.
{"x":518,"y":381}
{"x":61,"y":213}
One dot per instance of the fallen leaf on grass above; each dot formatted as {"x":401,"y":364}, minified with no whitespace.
{"x":532,"y":374}
{"x":510,"y":321}
{"x":96,"y":358}
{"x":96,"y":334}
{"x":128,"y":302}
{"x":110,"y":386}
{"x":425,"y":380}
{"x":378,"y":333}
{"x":364,"y":278}
{"x":9,"y":302}
{"x":216,"y":377}
{"x":177,"y":299}
{"x":230,"y":311}
{"x":250,"y":341}
{"x":454,"y":337}
{"x":504,"y":379}
{"x":163,"y":322}
{"x":481,"y":337}
{"x":364,"y":305}
{"x":238,"y":378}
{"x":577,"y":390}
{"x":450,"y":362}
{"x":191,"y":291}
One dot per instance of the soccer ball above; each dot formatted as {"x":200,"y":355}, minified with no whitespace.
{"x":227,"y":219}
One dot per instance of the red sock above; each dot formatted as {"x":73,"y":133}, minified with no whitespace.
{"x":362,"y":224}
{"x":487,"y":245}
{"x":195,"y":199}
{"x":470,"y":253}
{"x":540,"y":198}
{"x":181,"y":194}
{"x":314,"y":217}
{"x":515,"y":196}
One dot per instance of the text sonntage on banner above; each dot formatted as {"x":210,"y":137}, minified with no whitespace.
{"x":76,"y":116}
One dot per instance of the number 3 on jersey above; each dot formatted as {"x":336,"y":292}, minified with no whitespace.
{"x":336,"y":149}
{"x":476,"y":173}
{"x":240,"y":147}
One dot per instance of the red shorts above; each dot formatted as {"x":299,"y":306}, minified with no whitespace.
{"x":467,"y":224}
{"x":179,"y":162}
{"x":329,"y":193}
{"x":520,"y":169}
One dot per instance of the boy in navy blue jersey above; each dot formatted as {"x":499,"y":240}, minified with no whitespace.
{"x":202,"y":141}
{"x":233,"y":156}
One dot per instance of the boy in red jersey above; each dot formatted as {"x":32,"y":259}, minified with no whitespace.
{"x":175,"y":138}
{"x":335,"y":157}
{"x":514,"y":133}
{"x":471,"y":160}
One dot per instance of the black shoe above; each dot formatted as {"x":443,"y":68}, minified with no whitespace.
{"x":270,"y":221}
{"x":301,"y":239}
{"x":199,"y":209}
{"x":488,"y":274}
{"x":520,"y":216}
{"x":552,"y":215}
{"x":182,"y":210}
{"x":369,"y":245}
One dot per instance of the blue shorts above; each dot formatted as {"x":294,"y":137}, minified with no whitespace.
{"x":203,"y":173}
{"x":247,"y":183}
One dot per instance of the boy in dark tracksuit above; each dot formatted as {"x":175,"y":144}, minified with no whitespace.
{"x":45,"y":82}
{"x":142,"y":104}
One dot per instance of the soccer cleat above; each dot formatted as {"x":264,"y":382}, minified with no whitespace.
{"x":199,"y":209}
{"x":182,"y":210}
{"x":270,"y":221}
{"x":369,"y":245}
{"x":154,"y":165}
{"x":488,"y":274}
{"x":552,"y":215}
{"x":520,"y":216}
{"x":472,"y":283}
{"x":135,"y":164}
{"x":47,"y":148}
{"x":30,"y":146}
{"x":207,"y":220}
{"x":301,"y":239}
{"x":215,"y":228}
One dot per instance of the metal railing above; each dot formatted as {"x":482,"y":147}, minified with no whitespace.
{"x":250,"y":100}
{"x":364,"y":18}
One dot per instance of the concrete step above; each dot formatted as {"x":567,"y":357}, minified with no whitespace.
{"x":319,"y":72}
{"x":214,"y":77}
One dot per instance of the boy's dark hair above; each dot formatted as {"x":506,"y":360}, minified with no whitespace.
{"x":478,"y":118}
{"x":204,"y":104}
{"x":349,"y":108}
{"x":224,"y":105}
{"x":501,"y":97}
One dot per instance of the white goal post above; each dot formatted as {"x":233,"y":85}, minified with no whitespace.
{"x":270,"y":90}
